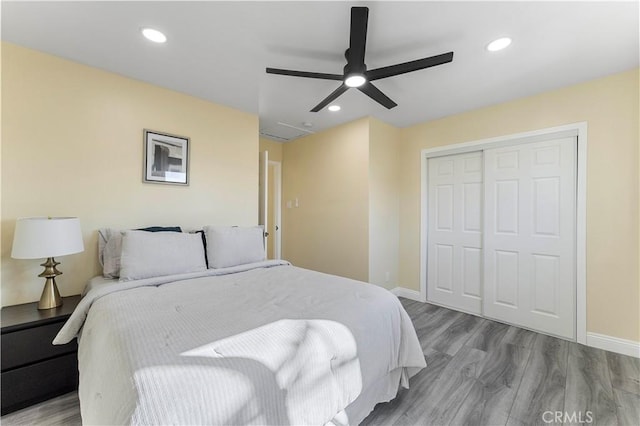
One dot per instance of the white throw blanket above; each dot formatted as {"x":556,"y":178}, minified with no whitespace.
{"x":268,"y":344}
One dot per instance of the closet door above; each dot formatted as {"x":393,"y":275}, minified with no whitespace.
{"x":529,"y":235}
{"x":454,"y":251}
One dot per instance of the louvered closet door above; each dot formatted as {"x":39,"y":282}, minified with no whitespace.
{"x":529,"y":235}
{"x":454,"y":252}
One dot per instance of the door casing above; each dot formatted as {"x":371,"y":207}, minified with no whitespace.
{"x":276,"y":201}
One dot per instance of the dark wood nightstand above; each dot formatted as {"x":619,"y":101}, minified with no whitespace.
{"x":34,"y":370}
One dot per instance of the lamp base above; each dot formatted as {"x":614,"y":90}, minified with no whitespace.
{"x":50,"y":295}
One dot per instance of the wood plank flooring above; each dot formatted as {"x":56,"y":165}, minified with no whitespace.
{"x":61,"y":411}
{"x":479,"y":372}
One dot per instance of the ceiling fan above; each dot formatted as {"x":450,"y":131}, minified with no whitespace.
{"x":355,"y":73}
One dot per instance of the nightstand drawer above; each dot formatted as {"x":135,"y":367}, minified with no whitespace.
{"x":31,"y":345}
{"x":28,"y":385}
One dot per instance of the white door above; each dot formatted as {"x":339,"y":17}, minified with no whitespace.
{"x":454,"y":251}
{"x":529,"y":235}
{"x":263,"y":193}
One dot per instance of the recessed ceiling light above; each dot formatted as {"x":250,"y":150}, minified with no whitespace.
{"x":154,"y":35}
{"x":355,"y":80}
{"x":498,"y":44}
{"x":334,"y":108}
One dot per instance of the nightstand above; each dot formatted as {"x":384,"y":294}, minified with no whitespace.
{"x":33,"y":369}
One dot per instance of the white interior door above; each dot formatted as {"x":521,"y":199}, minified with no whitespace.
{"x":454,"y":251}
{"x":529,"y":235}
{"x":263,"y":193}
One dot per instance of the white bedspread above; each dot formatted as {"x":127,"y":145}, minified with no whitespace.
{"x":269,"y":344}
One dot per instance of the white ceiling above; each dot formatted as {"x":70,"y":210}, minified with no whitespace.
{"x":219,"y":50}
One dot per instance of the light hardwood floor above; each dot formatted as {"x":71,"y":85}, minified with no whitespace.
{"x":479,"y":372}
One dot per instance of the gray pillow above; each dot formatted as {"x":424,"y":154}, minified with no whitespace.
{"x":154,"y":254}
{"x":230,"y":246}
{"x":110,"y":247}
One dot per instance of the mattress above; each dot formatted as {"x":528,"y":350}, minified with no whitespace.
{"x":265,"y":343}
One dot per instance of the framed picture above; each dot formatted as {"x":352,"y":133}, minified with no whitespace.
{"x":166,"y":158}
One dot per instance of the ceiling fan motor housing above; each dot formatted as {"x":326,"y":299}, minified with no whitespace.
{"x":350,"y":69}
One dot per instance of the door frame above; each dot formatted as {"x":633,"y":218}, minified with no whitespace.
{"x":277,"y":203}
{"x":575,"y":129}
{"x":263,"y":194}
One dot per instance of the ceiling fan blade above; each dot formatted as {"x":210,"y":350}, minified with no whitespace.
{"x":406,"y":67}
{"x":333,"y":96}
{"x":374,"y":93}
{"x":306,"y":74}
{"x":358,"y":36}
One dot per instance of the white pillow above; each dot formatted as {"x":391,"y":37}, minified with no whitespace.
{"x":154,"y":254}
{"x":230,"y":246}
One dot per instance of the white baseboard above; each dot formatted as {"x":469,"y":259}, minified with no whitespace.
{"x":408,"y":294}
{"x":614,"y":344}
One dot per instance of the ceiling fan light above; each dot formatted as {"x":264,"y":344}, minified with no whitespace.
{"x":154,"y":35}
{"x":355,"y":80}
{"x":499,"y":44}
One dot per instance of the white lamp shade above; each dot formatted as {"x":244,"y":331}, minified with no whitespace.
{"x":42,"y":237}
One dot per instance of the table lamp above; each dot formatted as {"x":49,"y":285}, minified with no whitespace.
{"x":47,"y":237}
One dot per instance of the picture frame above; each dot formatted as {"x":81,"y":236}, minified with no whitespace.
{"x":166,"y":158}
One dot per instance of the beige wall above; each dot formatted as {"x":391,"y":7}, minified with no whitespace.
{"x":610,"y":107}
{"x":346,"y":181}
{"x":274,"y":148}
{"x":72,"y":145}
{"x":328,"y":173}
{"x":384,"y":203}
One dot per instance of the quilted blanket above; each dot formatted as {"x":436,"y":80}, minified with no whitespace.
{"x":267,"y":343}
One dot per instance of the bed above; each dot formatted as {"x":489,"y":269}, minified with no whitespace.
{"x":257,"y":343}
